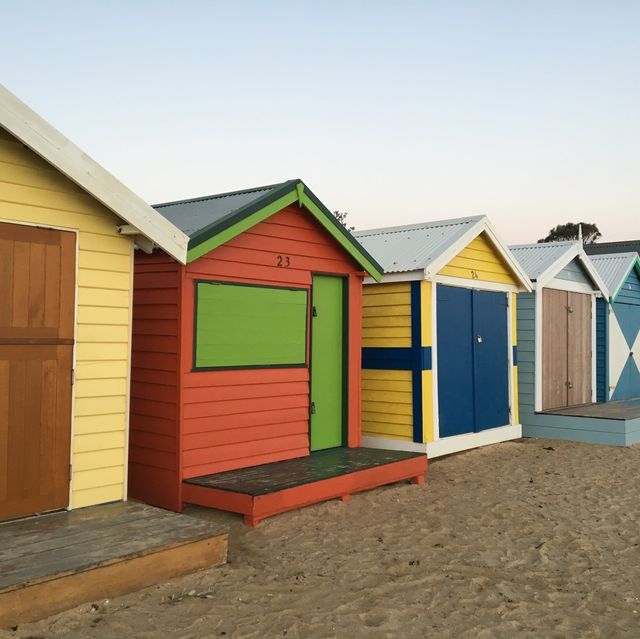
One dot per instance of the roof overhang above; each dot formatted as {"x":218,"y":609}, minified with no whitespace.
{"x":634,"y":264}
{"x":572,"y":252}
{"x":482,"y":225}
{"x":260,"y":209}
{"x":145,"y":224}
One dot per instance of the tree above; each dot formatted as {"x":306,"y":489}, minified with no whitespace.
{"x":341,"y":216}
{"x":569,"y":231}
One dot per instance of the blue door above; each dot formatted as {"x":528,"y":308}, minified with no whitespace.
{"x":473,"y":365}
{"x":455,"y":360}
{"x":490,"y":359}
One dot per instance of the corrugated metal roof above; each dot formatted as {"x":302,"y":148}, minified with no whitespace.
{"x":536,"y":259}
{"x":400,"y":249}
{"x":613,"y":268}
{"x":191,"y":216}
{"x":625,"y":246}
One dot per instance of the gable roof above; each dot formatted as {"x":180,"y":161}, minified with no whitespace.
{"x":430,"y":246}
{"x":614,"y":268}
{"x":599,"y":248}
{"x":543,"y":261}
{"x":47,"y":142}
{"x":212,"y":220}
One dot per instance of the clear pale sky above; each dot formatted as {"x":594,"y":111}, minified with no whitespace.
{"x":397,"y":112}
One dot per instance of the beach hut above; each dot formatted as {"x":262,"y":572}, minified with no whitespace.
{"x":67,"y":235}
{"x":557,"y":361}
{"x":604,"y":248}
{"x":439,"y":351}
{"x":246,"y":366}
{"x":618,"y":327}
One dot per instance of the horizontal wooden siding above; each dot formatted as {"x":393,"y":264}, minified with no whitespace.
{"x":32,"y":191}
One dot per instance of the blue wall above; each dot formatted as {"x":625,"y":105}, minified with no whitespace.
{"x":602,"y":337}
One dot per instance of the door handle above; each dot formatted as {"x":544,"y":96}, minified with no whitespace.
{"x":569,"y":384}
{"x":312,"y":408}
{"x":479,"y":339}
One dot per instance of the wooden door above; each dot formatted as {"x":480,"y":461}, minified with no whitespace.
{"x":579,"y":350}
{"x":567,"y":358}
{"x":554,"y":348}
{"x":328,"y":420}
{"x":37,"y":286}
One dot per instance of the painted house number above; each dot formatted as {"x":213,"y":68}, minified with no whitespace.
{"x":284,"y":261}
{"x":474,"y":275}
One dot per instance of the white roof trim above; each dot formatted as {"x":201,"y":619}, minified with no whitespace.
{"x":573,"y":251}
{"x":42,"y":138}
{"x":476,"y":229}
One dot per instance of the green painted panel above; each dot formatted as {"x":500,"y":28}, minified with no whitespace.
{"x":249,"y":326}
{"x":327,"y":362}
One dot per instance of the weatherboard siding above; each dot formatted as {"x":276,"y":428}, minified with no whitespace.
{"x":526,"y":336}
{"x":480,"y":260}
{"x":387,"y":404}
{"x":386,"y":315}
{"x":630,"y":291}
{"x":31,"y":191}
{"x":602,"y":311}
{"x":238,"y":418}
{"x":572,"y":272}
{"x":154,"y":436}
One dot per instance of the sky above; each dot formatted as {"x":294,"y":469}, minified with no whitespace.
{"x":396,"y":112}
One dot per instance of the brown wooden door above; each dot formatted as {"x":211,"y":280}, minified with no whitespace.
{"x":566,"y":349}
{"x":37,"y":287}
{"x":554,"y":348}
{"x":579,"y":355}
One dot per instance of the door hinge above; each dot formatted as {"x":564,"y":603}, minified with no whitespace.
{"x":312,"y":408}
{"x":314,"y":311}
{"x":73,"y":376}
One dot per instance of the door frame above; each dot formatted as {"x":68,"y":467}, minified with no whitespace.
{"x":572,"y":287}
{"x":76,"y":232}
{"x":480,"y":285}
{"x":345,"y":352}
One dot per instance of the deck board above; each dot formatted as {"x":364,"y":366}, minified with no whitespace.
{"x":276,"y":477}
{"x":623,"y":409}
{"x":48,"y":546}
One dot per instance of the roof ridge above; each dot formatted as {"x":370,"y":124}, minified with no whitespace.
{"x":216,"y":196}
{"x":419,"y":225}
{"x":542,"y":244}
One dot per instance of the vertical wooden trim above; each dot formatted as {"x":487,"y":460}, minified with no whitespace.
{"x":538,"y":345}
{"x":184,"y":353}
{"x":74,"y":363}
{"x":434,"y":361}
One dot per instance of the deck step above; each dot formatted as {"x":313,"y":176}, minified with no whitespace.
{"x":54,"y":562}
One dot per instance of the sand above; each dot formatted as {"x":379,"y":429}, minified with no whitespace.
{"x":533,"y":538}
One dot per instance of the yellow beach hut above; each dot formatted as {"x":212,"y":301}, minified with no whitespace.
{"x":67,"y":235}
{"x":439,"y":351}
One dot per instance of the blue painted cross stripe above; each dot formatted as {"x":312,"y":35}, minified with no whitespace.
{"x":418,"y":361}
{"x":515,"y":355}
{"x":397,"y":359}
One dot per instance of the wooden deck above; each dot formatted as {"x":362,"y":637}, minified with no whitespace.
{"x":262,"y":491}
{"x":621,"y":409}
{"x":54,"y":562}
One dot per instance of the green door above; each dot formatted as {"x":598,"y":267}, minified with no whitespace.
{"x":327,"y":362}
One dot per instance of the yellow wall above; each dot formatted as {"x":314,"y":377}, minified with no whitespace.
{"x":386,"y":315}
{"x":479,"y":260}
{"x":387,"y":409}
{"x":32,"y":191}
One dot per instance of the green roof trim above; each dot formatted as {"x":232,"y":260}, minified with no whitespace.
{"x":263,"y":207}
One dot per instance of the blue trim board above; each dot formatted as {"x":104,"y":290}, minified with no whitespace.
{"x":417,"y":354}
{"x":514,"y":356}
{"x":395,"y":359}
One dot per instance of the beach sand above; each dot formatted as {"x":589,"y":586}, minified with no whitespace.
{"x":534,"y":538}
